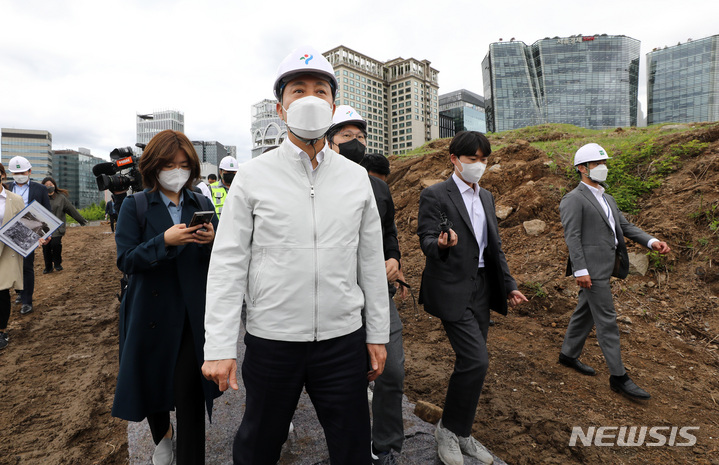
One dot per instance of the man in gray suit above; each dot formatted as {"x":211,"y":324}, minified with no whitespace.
{"x":594,"y":230}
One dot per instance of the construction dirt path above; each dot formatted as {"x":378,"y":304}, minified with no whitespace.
{"x":57,"y":376}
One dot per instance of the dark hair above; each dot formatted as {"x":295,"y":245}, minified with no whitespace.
{"x":468,"y":142}
{"x":212,"y":176}
{"x":160,"y":151}
{"x":376,"y":162}
{"x":57,"y":189}
{"x":2,"y":170}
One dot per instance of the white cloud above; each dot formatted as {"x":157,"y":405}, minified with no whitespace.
{"x":82,"y":69}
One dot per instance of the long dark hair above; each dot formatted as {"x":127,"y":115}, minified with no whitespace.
{"x":64,"y":192}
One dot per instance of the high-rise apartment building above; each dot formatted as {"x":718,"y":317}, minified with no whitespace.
{"x":151,"y":123}
{"x":267,"y":127}
{"x":683,"y":82}
{"x":465,"y":108}
{"x":35,"y":145}
{"x":397,"y":98}
{"x":73,"y":171}
{"x":587,"y":81}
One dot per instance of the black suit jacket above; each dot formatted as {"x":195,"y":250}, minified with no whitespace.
{"x":449,"y":274}
{"x":37,"y":192}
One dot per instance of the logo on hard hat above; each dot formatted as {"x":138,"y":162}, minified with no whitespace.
{"x":17,"y":165}
{"x":307,"y":58}
{"x":231,"y":164}
{"x":350,"y":112}
{"x":601,"y":152}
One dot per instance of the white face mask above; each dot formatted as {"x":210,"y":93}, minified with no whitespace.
{"x":599,"y":173}
{"x":309,"y":117}
{"x":21,"y":178}
{"x":472,"y":172}
{"x":173,"y":180}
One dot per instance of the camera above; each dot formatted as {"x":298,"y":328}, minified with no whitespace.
{"x":121,"y":173}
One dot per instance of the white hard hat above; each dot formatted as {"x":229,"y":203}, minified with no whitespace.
{"x":19,"y":165}
{"x":345,"y":114}
{"x":590,"y":152}
{"x":304,"y":60}
{"x":228,"y":163}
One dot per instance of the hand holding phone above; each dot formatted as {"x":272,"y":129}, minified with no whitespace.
{"x":201,"y":218}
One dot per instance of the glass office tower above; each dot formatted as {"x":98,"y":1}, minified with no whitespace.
{"x":683,"y":82}
{"x":33,"y":144}
{"x":465,"y":108}
{"x":587,"y":81}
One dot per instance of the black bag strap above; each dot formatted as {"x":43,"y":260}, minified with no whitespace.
{"x":141,"y":209}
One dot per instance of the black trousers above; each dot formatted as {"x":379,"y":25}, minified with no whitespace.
{"x":468,"y":337}
{"x":189,"y":405}
{"x":28,"y":279}
{"x":113,"y":219}
{"x":334,"y":373}
{"x":4,"y":308}
{"x":52,"y":252}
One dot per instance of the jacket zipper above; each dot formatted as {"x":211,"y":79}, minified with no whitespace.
{"x":317,"y":273}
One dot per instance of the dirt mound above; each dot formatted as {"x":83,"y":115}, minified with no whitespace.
{"x":669,"y":319}
{"x":57,"y":377}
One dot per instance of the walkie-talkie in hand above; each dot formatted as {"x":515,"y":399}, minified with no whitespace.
{"x":444,"y":223}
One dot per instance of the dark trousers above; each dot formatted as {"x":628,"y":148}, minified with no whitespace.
{"x":113,"y":219}
{"x":189,"y":405}
{"x":334,"y":373}
{"x":52,"y":252}
{"x":468,"y":337}
{"x":4,"y":308}
{"x":28,"y":279}
{"x":387,"y":424}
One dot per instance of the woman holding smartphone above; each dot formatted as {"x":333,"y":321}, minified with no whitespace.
{"x":162,"y":312}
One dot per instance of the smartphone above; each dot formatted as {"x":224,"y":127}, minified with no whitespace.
{"x":201,"y":218}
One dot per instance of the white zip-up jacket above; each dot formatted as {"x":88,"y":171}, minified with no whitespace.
{"x":304,"y":252}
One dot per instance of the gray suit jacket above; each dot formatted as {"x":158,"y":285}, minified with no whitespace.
{"x":589,"y":237}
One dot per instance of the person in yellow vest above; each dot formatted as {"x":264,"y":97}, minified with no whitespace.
{"x":228,"y":168}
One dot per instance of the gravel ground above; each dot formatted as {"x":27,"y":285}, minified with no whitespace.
{"x":306,"y":445}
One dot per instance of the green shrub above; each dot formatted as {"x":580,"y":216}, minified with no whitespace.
{"x":92,"y":213}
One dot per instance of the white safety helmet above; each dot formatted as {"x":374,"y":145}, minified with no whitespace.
{"x":228,"y":163}
{"x":19,"y":165}
{"x":590,"y":152}
{"x":345,"y":114}
{"x":304,"y":60}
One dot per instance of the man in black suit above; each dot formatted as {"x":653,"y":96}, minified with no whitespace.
{"x":465,"y":275}
{"x":21,"y":169}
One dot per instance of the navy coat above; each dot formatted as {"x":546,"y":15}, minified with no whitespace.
{"x":165,"y":285}
{"x":37,"y":192}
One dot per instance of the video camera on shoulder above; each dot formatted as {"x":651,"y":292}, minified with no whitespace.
{"x":121,"y":173}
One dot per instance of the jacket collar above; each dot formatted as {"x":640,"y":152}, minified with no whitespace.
{"x":589,"y":195}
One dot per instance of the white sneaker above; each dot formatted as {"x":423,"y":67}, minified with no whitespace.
{"x":473,"y":448}
{"x":447,"y":446}
{"x":164,"y":455}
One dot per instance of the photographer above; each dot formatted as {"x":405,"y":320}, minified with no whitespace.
{"x":162,"y":312}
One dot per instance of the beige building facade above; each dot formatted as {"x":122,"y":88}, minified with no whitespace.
{"x":397,"y":98}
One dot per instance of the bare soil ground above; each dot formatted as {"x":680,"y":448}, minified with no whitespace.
{"x":57,"y":376}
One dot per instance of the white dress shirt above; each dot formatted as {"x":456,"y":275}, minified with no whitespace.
{"x":305,"y":157}
{"x":3,"y":199}
{"x":470,"y":196}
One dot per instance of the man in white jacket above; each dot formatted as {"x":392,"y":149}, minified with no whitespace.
{"x":300,"y":242}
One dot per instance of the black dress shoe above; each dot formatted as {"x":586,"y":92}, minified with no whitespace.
{"x":58,"y":268}
{"x":47,"y":270}
{"x":492,"y":323}
{"x":628,"y":388}
{"x":576,"y":364}
{"x":18,"y":299}
{"x":25,"y":309}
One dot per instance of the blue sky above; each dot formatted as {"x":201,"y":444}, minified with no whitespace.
{"x":82,"y":69}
